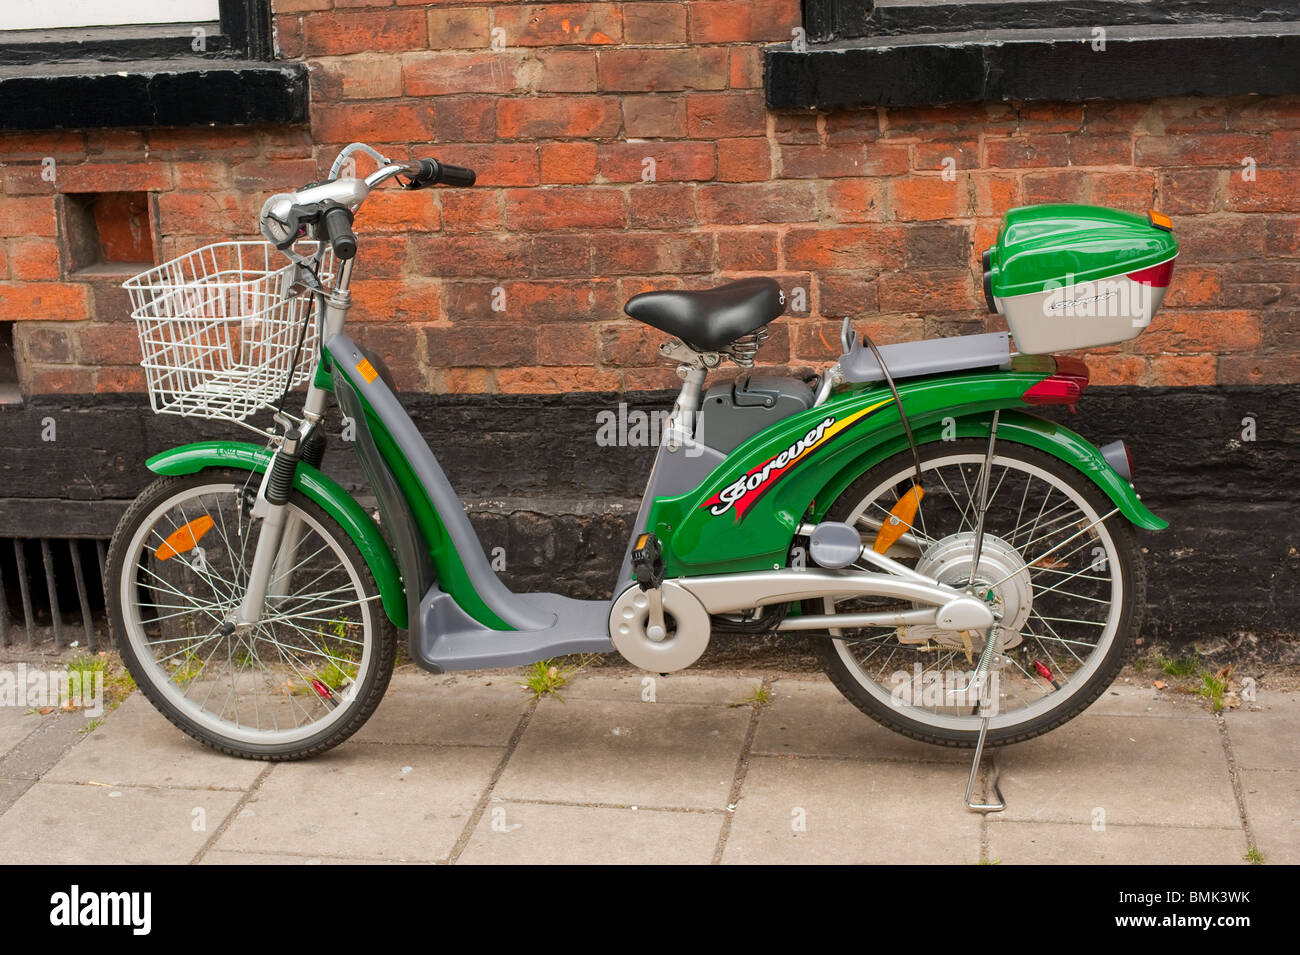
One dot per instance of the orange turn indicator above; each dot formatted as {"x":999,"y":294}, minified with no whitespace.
{"x":184,"y":538}
{"x":900,"y":520}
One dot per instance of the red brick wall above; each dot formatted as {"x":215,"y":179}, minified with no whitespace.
{"x":876,"y":213}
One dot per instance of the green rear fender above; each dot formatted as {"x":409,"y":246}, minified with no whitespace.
{"x":745,"y":514}
{"x":1019,"y":428}
{"x":336,"y":502}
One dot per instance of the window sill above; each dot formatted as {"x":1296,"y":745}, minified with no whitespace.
{"x":174,"y":92}
{"x":1139,"y":62}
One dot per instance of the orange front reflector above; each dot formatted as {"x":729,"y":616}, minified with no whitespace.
{"x":900,"y":520}
{"x":184,"y":538}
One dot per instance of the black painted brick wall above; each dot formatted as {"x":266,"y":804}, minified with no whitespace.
{"x":561,"y":507}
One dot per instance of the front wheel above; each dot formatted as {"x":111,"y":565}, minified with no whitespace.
{"x":300,"y":681}
{"x":1057,"y":562}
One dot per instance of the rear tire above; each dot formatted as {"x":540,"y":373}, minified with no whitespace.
{"x":1114,"y":541}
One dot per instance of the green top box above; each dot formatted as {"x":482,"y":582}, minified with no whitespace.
{"x":1064,"y":244}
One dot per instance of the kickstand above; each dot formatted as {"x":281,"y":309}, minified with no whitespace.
{"x":1001,"y":804}
{"x":992,"y":640}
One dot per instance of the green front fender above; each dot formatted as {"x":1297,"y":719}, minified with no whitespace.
{"x":1019,"y":428}
{"x":336,"y":502}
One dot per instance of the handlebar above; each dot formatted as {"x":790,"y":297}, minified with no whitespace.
{"x":329,"y":206}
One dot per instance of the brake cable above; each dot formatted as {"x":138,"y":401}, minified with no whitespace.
{"x":902,"y":412}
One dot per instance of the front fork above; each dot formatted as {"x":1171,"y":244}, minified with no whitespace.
{"x":276,"y":554}
{"x":272,"y":563}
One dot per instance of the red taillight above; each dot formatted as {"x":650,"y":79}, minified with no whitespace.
{"x":1063,"y":387}
{"x":1158,"y":275}
{"x":1129,"y":456}
{"x":1054,"y":391}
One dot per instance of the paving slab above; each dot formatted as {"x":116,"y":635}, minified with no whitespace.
{"x":1131,"y":699}
{"x":11,"y":789}
{"x":427,"y":709}
{"x":1267,"y":737}
{"x":137,"y":746}
{"x":1273,"y":807}
{"x":540,"y":834}
{"x":853,"y":812}
{"x":220,"y":857}
{"x":1123,"y":770}
{"x":662,"y":755}
{"x":16,"y":724}
{"x":363,"y":801}
{"x":65,"y":824}
{"x":812,"y":718}
{"x":643,"y":687}
{"x":1054,"y":843}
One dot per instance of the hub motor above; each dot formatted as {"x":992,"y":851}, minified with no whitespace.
{"x":949,"y":562}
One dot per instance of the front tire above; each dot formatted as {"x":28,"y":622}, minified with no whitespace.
{"x":1085,"y":588}
{"x":299,"y":682}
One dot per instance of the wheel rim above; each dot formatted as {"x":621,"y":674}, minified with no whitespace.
{"x":1077,"y":593}
{"x":292,"y":676}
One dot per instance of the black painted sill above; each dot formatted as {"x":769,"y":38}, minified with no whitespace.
{"x":185,"y":91}
{"x":124,"y":43}
{"x":1139,"y":62}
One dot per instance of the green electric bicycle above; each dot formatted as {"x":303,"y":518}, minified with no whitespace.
{"x":967,"y":571}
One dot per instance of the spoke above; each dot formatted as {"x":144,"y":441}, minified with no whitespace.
{"x":191,"y":649}
{"x":956,"y":503}
{"x":1086,"y":623}
{"x":1078,"y":573}
{"x":203,"y":666}
{"x":1111,"y":513}
{"x":1041,"y":508}
{"x":994,"y":492}
{"x":1058,"y":526}
{"x":1061,"y":640}
{"x":184,"y":596}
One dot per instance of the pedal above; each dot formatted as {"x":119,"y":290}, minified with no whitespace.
{"x":648,"y":562}
{"x":649,"y":569}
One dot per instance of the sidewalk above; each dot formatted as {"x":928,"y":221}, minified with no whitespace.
{"x":465,"y":769}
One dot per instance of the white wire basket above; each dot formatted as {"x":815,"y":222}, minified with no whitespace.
{"x":223,"y":332}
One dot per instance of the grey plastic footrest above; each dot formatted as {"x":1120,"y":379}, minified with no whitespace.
{"x":450,"y":639}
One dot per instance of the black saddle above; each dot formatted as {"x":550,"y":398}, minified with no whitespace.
{"x":711,"y":319}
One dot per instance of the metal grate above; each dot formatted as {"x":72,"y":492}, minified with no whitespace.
{"x":52,"y":588}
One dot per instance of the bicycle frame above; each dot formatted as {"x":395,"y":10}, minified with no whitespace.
{"x":727,"y":522}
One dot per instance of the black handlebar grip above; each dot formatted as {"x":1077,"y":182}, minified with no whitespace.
{"x":456,"y":175}
{"x":337,"y":223}
{"x":433,"y":172}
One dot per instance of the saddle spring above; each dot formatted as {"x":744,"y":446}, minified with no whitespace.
{"x":744,"y":349}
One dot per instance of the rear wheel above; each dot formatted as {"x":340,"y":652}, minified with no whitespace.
{"x":1060,"y":565}
{"x":300,"y":681}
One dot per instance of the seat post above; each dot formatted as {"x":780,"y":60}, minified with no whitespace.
{"x":688,"y":399}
